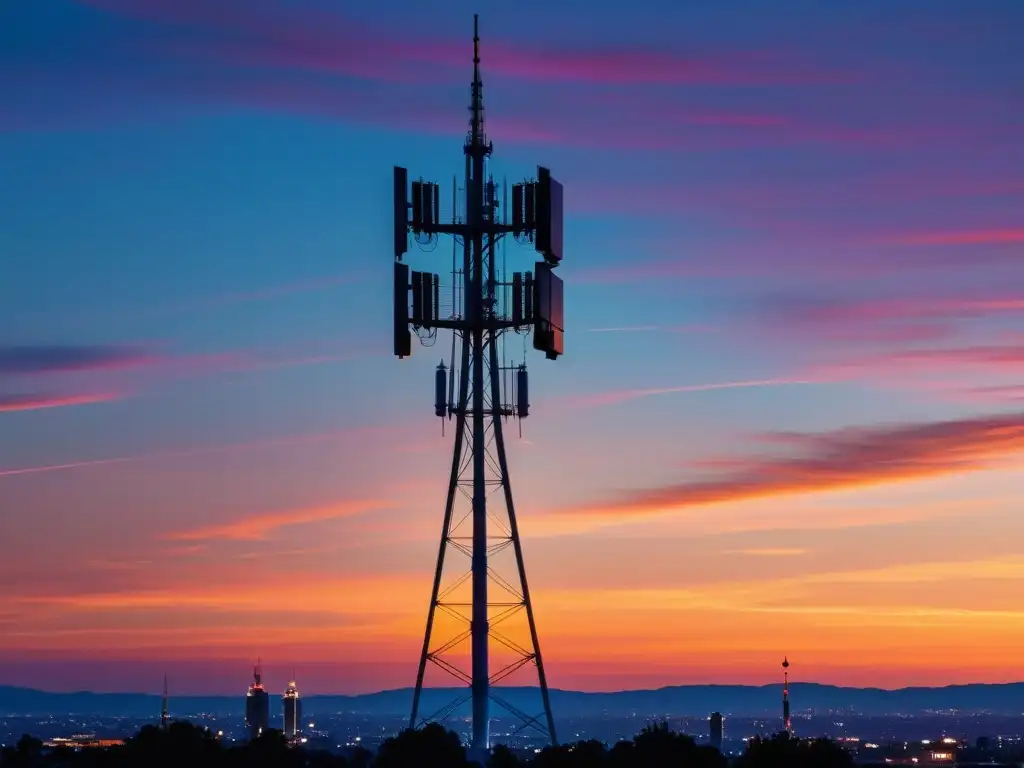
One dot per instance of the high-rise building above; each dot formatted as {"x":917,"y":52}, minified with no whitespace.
{"x":717,"y":723}
{"x":257,"y":704}
{"x":292,"y":710}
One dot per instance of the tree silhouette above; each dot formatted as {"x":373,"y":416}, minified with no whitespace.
{"x":785,"y":751}
{"x":432,"y":746}
{"x":582,"y":754}
{"x":503,"y":757}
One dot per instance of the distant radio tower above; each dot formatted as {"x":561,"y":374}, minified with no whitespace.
{"x":165,"y":717}
{"x":786,"y":722}
{"x":485,"y":303}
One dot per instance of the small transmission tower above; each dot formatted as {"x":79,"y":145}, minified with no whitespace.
{"x":165,"y":715}
{"x":485,"y":304}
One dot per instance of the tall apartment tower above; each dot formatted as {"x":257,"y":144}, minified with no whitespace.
{"x":292,"y":710}
{"x":257,"y":704}
{"x":717,"y":723}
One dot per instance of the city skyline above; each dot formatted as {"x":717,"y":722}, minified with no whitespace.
{"x":788,"y":418}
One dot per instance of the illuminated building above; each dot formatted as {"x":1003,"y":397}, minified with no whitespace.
{"x":82,"y":741}
{"x":717,"y":730}
{"x":257,"y":704}
{"x":292,"y":710}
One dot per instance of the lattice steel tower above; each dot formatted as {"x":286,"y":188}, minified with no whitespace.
{"x":481,"y":304}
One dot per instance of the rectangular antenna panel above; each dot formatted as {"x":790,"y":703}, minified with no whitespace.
{"x":429,"y":206}
{"x":427,"y":289}
{"x":517,"y":209}
{"x":530,"y":206}
{"x":403,"y":339}
{"x":549,"y":330}
{"x":437,"y":297}
{"x":529,"y":296}
{"x":549,"y":216}
{"x":517,"y":298}
{"x":417,"y":207}
{"x":417,"y":299}
{"x":401,"y":211}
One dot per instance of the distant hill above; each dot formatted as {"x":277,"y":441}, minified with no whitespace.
{"x":683,"y":700}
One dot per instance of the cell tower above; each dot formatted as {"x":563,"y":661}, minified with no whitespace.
{"x":486,"y":303}
{"x":787,"y":724}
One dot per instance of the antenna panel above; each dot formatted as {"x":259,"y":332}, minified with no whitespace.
{"x":425,"y":299}
{"x":549,"y":217}
{"x":517,"y":298}
{"x":549,"y":332}
{"x":517,"y":208}
{"x":431,"y":195}
{"x":417,"y":207}
{"x":417,"y":299}
{"x":529,"y":294}
{"x":530,"y":206}
{"x":403,"y":339}
{"x":401,"y":211}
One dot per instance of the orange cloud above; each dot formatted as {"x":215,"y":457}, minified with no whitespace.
{"x":768,"y":552}
{"x":843,"y":459}
{"x":259,"y":527}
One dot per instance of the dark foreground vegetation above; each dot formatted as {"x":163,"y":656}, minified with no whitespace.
{"x":184,"y":745}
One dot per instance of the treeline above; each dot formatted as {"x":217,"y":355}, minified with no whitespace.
{"x":184,"y":745}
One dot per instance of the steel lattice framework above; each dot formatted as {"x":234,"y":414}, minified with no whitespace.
{"x":479,"y":600}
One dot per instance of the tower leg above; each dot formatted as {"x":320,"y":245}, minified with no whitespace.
{"x":499,"y":442}
{"x":480,"y":624}
{"x":453,"y":485}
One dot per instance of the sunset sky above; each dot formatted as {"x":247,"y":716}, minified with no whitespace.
{"x":789,"y":419}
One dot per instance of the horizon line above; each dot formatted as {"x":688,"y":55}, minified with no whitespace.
{"x":410,"y":688}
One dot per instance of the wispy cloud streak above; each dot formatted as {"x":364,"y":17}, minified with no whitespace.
{"x":623,"y":395}
{"x":199,"y":450}
{"x":14,"y":403}
{"x":31,"y":359}
{"x":843,"y":459}
{"x":259,"y":527}
{"x":262,"y":34}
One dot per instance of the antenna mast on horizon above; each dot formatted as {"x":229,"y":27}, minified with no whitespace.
{"x":787,"y":723}
{"x":165,"y":716}
{"x":485,"y":303}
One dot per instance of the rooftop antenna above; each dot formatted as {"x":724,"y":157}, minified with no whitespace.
{"x":486,"y":306}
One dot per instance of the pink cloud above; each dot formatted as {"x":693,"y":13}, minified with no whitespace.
{"x":890,"y":321}
{"x":204,"y":450}
{"x":623,"y":395}
{"x":12,"y":403}
{"x":1013,"y":236}
{"x":838,"y":460}
{"x":274,"y":34}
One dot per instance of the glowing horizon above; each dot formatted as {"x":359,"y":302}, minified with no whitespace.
{"x":788,"y":422}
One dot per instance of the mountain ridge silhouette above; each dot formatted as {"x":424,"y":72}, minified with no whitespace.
{"x":680,"y":700}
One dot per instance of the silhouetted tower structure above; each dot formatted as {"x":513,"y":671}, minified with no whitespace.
{"x":257,"y":704}
{"x":717,"y":724}
{"x":481,"y":305}
{"x":787,"y":724}
{"x":165,"y":716}
{"x":292,"y":709}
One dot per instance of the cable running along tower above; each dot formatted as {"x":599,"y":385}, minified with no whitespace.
{"x":480,"y":306}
